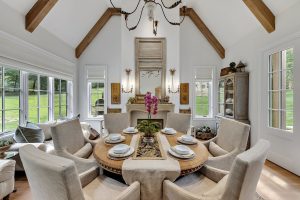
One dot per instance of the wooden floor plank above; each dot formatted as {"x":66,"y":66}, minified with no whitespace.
{"x":275,"y":183}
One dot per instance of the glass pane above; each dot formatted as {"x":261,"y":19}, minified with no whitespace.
{"x":274,"y":62}
{"x":63,"y":99}
{"x":56,"y":85}
{"x":289,"y":122}
{"x":44,"y":99}
{"x":1,"y":81}
{"x":64,"y":111}
{"x":287,"y":100}
{"x":56,"y":99}
{"x":202,"y":110}
{"x":274,"y":102}
{"x":33,"y":99}
{"x":1,"y":91}
{"x":12,"y":99}
{"x":1,"y":122}
{"x":32,"y":82}
{"x":63,"y":86}
{"x":43,"y":83}
{"x":44,"y":113}
{"x":11,"y":120}
{"x":274,"y":118}
{"x":288,"y":59}
{"x":274,"y":81}
{"x":33,"y":115}
{"x":12,"y":78}
{"x":56,"y":112}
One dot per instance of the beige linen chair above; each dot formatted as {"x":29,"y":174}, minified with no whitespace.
{"x":51,"y":177}
{"x":180,"y":122}
{"x":115,"y":122}
{"x":231,"y":140}
{"x":7,"y":178}
{"x":70,"y":143}
{"x":86,"y":128}
{"x":239,"y":184}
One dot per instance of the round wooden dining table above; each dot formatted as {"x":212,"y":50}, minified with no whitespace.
{"x":186,"y":166}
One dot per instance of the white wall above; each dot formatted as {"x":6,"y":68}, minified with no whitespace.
{"x":165,"y":30}
{"x":195,"y":51}
{"x":284,"y":149}
{"x":105,"y":50}
{"x":39,"y":51}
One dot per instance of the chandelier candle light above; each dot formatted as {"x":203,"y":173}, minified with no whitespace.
{"x":171,"y":88}
{"x":127,"y":90}
{"x":151,"y":6}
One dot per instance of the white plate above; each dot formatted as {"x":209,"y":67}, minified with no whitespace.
{"x":169,"y":131}
{"x":187,"y":138}
{"x":107,"y":140}
{"x":194,"y":141}
{"x":114,"y":136}
{"x":128,"y":132}
{"x":113,"y":155}
{"x":189,"y":156}
{"x":181,"y":149}
{"x":120,"y":149}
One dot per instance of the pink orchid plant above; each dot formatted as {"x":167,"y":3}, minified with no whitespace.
{"x":151,"y":103}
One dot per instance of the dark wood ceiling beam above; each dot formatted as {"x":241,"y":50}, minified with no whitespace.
{"x":96,"y":29}
{"x":190,"y":12}
{"x":263,"y":14}
{"x":37,"y":13}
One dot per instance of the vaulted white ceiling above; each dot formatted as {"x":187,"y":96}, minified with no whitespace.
{"x":229,"y":20}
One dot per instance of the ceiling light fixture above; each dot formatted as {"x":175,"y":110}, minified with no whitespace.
{"x":151,"y":6}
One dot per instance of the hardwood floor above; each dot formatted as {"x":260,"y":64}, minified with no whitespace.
{"x":275,"y":183}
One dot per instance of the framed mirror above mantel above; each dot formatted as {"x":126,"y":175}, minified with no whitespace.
{"x":150,"y":62}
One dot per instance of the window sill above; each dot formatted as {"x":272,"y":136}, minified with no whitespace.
{"x":283,"y":134}
{"x":204,"y":118}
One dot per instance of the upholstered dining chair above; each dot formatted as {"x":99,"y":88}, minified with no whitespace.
{"x":70,"y":143}
{"x":180,"y":122}
{"x":52,"y":177}
{"x":239,"y":184}
{"x":115,"y":122}
{"x":231,"y":140}
{"x":7,"y":178}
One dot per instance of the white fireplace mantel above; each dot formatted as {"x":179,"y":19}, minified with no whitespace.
{"x":138,"y":111}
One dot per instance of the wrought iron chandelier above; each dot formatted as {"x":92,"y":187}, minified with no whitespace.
{"x":151,"y":6}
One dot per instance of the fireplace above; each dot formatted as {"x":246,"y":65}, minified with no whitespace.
{"x":138,"y":113}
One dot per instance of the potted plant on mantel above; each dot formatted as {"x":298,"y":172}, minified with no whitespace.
{"x":148,"y":127}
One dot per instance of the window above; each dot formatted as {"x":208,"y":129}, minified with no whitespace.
{"x":60,"y":99}
{"x":203,"y":93}
{"x":10,"y":98}
{"x":96,"y":98}
{"x":38,"y":98}
{"x":280,"y":92}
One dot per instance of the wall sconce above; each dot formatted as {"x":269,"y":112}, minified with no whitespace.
{"x":127,"y":89}
{"x":171,"y":87}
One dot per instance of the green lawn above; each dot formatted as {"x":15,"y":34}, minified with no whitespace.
{"x":202,"y":104}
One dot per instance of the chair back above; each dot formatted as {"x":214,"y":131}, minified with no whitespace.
{"x":68,"y":136}
{"x":245,"y":173}
{"x":180,"y":122}
{"x":50,"y":177}
{"x":232,"y":134}
{"x":116,"y":122}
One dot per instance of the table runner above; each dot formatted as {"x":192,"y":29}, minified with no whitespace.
{"x":151,"y":173}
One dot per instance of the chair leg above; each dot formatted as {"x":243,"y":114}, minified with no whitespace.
{"x":6,"y":198}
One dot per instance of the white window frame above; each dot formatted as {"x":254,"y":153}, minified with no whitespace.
{"x":291,"y":42}
{"x":212,"y":94}
{"x":67,"y":99}
{"x":39,"y":91}
{"x":88,"y":83}
{"x":2,"y":110}
{"x":269,"y":54}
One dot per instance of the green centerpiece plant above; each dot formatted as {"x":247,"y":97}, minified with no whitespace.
{"x":148,"y":127}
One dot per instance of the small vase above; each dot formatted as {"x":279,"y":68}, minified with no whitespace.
{"x":148,"y":140}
